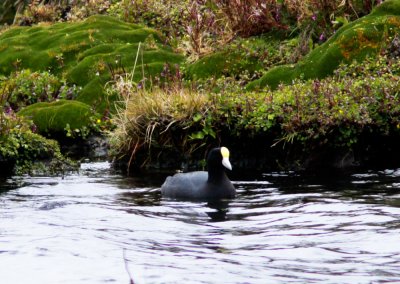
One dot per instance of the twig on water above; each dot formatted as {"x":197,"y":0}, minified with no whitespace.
{"x":126,"y":267}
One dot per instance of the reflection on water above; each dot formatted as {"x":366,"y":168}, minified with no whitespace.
{"x":282,"y":228}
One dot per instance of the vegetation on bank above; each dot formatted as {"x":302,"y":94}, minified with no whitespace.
{"x":334,"y":111}
{"x":54,"y":75}
{"x":180,"y":87}
{"x":87,"y":54}
{"x":22,"y":148}
{"x":244,"y":58}
{"x":364,"y":37}
{"x":24,"y":151}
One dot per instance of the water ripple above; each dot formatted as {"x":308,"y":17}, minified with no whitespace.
{"x":287,"y":228}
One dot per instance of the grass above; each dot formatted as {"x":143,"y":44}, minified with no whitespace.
{"x":156,"y":117}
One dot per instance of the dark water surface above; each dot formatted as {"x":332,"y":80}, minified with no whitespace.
{"x":284,"y":228}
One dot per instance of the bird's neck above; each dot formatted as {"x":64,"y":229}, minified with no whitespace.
{"x":216,"y":176}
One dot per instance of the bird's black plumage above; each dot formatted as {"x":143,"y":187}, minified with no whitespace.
{"x":211,"y":185}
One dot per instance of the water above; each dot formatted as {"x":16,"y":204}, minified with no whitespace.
{"x":97,"y":227}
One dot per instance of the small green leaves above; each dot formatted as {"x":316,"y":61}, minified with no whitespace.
{"x":207,"y":124}
{"x":197,"y":135}
{"x":197,"y":117}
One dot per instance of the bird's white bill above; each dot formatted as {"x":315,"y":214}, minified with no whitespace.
{"x":226,"y":163}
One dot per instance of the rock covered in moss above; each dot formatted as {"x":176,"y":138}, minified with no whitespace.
{"x":355,"y":41}
{"x":59,"y":116}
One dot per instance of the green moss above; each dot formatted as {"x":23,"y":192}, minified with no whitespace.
{"x":243,"y":55}
{"x":390,"y":7}
{"x":55,"y":116}
{"x":223,"y":63}
{"x":355,"y":41}
{"x":284,"y":73}
{"x":84,"y":52}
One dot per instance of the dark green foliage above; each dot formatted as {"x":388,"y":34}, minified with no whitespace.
{"x":22,"y":151}
{"x":84,"y":52}
{"x":25,"y":152}
{"x":355,"y":41}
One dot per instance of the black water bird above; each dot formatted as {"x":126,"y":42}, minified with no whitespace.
{"x":201,"y":185}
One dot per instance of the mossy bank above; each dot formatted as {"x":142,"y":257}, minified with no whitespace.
{"x":86,"y":53}
{"x":364,"y":37}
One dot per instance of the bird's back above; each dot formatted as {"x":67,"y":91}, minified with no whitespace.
{"x":196,"y":186}
{"x":185,"y":185}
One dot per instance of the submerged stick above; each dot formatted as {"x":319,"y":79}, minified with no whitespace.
{"x":127,"y":267}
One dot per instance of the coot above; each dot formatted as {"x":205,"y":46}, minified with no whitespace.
{"x":201,"y":185}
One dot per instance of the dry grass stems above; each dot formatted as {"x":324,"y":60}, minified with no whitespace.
{"x":153,"y":117}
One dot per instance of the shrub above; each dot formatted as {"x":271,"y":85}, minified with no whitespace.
{"x":251,"y":17}
{"x":36,"y":13}
{"x":86,"y":8}
{"x":23,"y":88}
{"x":318,"y":19}
{"x":334,"y":110}
{"x":165,"y":15}
{"x":191,"y":26}
{"x":21,"y":149}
